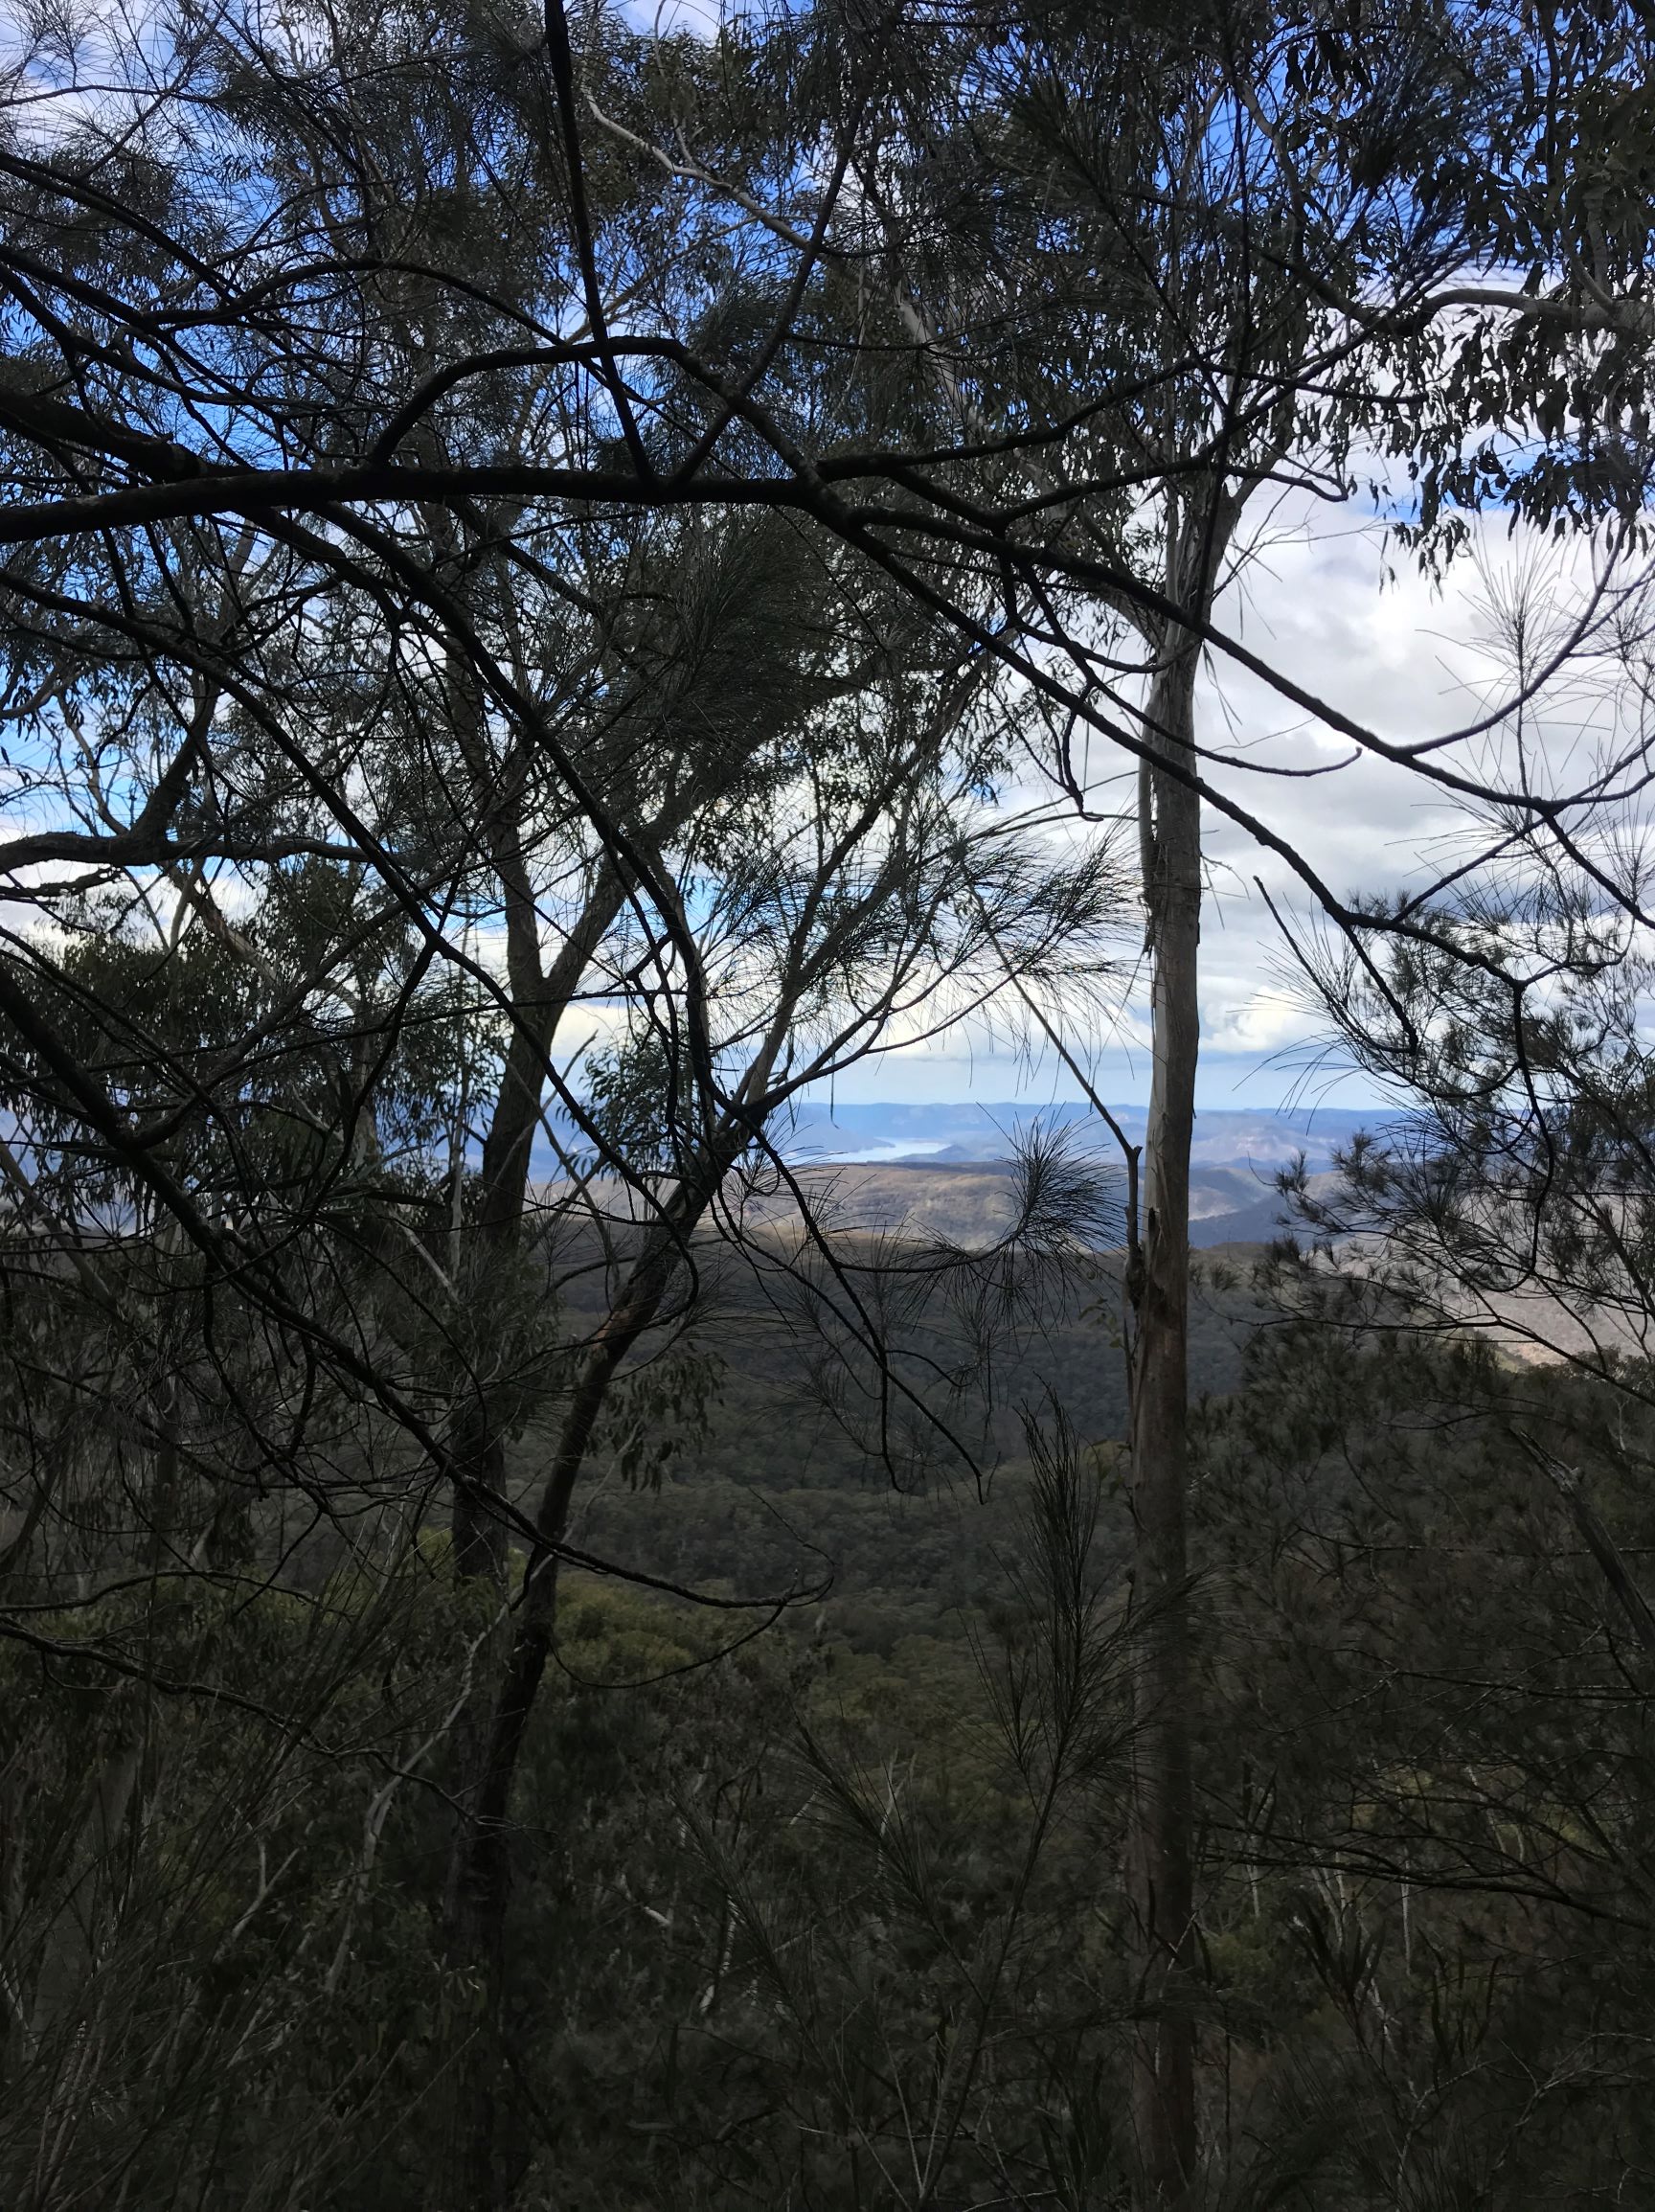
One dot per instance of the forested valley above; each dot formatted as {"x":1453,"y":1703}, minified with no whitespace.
{"x":576,"y":583}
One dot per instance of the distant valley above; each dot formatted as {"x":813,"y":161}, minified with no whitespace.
{"x":946,"y":1171}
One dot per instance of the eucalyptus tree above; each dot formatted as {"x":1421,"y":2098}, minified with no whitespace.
{"x":691,"y":666}
{"x":303,"y":1077}
{"x":1294,"y":233}
{"x":693,"y":772}
{"x":864,"y":890}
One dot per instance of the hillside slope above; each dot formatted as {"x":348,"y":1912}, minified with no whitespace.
{"x":789,"y":1484}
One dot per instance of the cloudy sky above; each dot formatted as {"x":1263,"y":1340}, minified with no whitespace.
{"x":1324,"y":599}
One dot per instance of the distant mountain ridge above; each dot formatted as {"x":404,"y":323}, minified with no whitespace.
{"x":1235,"y":1156}
{"x":940,"y":1169}
{"x":960,"y":1131}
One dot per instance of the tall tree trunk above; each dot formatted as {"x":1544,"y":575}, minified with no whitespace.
{"x":490,"y":1244}
{"x":494,"y":1241}
{"x":479,"y":1883}
{"x":1160,"y":1862}
{"x":480,"y":1872}
{"x":490,"y":1256}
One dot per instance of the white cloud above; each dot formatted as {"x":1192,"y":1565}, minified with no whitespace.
{"x":1365,"y":632}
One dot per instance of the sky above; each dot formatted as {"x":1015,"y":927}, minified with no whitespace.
{"x":1326,"y":599}
{"x":1355,"y":624}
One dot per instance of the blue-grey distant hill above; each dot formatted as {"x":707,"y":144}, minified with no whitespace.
{"x":938,"y":1167}
{"x":1234,"y":1157}
{"x":1228,"y":1138}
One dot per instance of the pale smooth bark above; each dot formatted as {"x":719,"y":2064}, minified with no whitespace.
{"x":1161,"y":1852}
{"x":1160,"y":1857}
